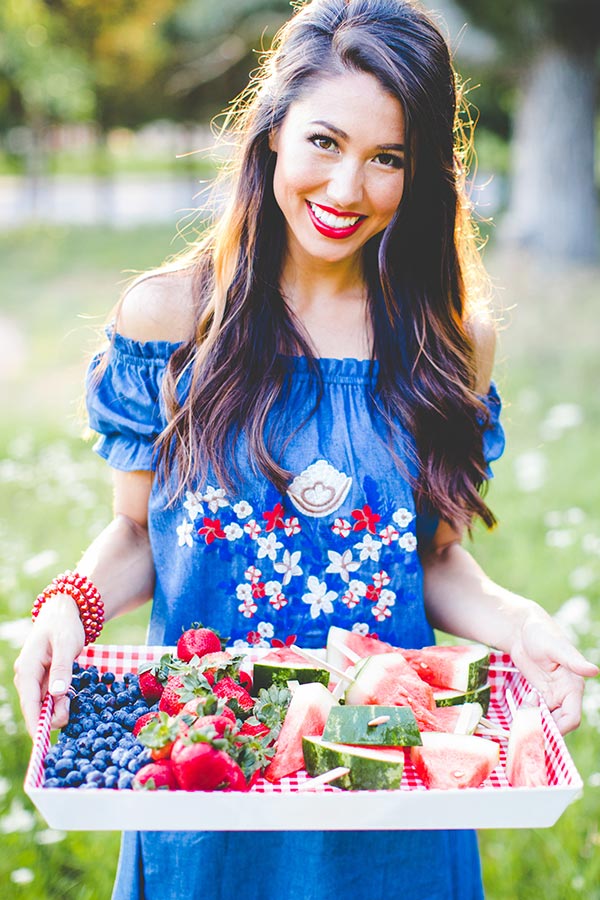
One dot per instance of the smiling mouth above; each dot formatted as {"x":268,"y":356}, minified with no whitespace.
{"x":332,"y":224}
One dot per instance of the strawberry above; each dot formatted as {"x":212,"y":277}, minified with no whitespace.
{"x":160,"y":734}
{"x":150,"y":686}
{"x":236,"y":696}
{"x":258,"y":729}
{"x":219,"y":723}
{"x":155,"y":776}
{"x":170,"y":701}
{"x":197,"y":641}
{"x":199,"y":766}
{"x":143,"y":720}
{"x":213,"y":662}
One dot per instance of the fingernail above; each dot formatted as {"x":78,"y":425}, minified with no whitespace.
{"x":58,"y":686}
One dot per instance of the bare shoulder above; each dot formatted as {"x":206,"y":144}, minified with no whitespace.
{"x":482,"y":331}
{"x":158,"y":306}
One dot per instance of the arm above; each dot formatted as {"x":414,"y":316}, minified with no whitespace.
{"x":119,"y":562}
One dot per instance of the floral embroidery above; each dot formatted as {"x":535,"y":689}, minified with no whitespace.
{"x":365,"y":518}
{"x":342,"y":564}
{"x":248,"y":608}
{"x":350,"y":598}
{"x":184,"y":533}
{"x":408,"y":542}
{"x":388,"y":535}
{"x":233,"y":531}
{"x":360,"y":628}
{"x":402,"y":517}
{"x":244,"y":592}
{"x":253,"y":529}
{"x":382,"y":610}
{"x":274,"y":517}
{"x":341,"y":527}
{"x":368,"y":548}
{"x":211,"y":530}
{"x":273,"y":590}
{"x":319,"y":598}
{"x":291,"y":526}
{"x":288,"y":566}
{"x":381,"y":579}
{"x":258,"y":589}
{"x":242,"y":509}
{"x":252,"y":573}
{"x":372,"y":592}
{"x":268,"y":546}
{"x":260,"y":637}
{"x":214,"y":498}
{"x":193,"y":504}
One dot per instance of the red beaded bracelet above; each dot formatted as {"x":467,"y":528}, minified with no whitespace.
{"x":85,"y":595}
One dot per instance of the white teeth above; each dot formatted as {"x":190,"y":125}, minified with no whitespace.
{"x":333,"y":221}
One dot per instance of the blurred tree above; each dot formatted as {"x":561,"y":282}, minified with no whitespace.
{"x":553,"y":46}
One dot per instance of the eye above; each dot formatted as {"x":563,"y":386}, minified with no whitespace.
{"x":323,"y":142}
{"x":390,"y":160}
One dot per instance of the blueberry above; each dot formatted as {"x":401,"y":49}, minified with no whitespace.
{"x":98,"y":703}
{"x":86,"y":767}
{"x":128,"y":677}
{"x":76,"y":667}
{"x":98,"y":764}
{"x":134,"y":692}
{"x":85,"y":679}
{"x":50,"y":761}
{"x":54,"y":783}
{"x":99,"y":744}
{"x":101,"y":689}
{"x":93,"y":672}
{"x":118,"y":687}
{"x":111,"y":742}
{"x":50,"y":772}
{"x":106,"y":716}
{"x":95,"y":778}
{"x":73,"y":729}
{"x":107,"y":677}
{"x":125,"y":780}
{"x":112,"y":781}
{"x":63,"y":767}
{"x":68,"y":751}
{"x":110,"y":701}
{"x":130,"y":720}
{"x":74,"y":779}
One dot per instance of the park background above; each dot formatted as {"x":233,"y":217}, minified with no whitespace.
{"x":103,"y":109}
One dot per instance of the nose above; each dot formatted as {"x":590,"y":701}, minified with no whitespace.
{"x":346,"y":185}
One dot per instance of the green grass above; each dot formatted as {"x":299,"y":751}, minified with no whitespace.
{"x":58,"y":287}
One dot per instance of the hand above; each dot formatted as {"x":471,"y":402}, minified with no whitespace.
{"x":46,"y":660}
{"x":554,"y":666}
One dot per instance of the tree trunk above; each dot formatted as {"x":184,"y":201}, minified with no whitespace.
{"x":553,"y":204}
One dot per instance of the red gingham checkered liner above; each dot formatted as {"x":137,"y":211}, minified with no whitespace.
{"x":280,"y":806}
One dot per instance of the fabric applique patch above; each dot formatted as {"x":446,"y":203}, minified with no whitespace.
{"x":319,"y":490}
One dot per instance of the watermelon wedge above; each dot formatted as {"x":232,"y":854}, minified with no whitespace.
{"x":466,"y":717}
{"x":283,"y":665}
{"x":306,"y":715}
{"x":525,"y":756}
{"x":449,"y":697}
{"x":379,"y":726}
{"x":388,"y":680}
{"x":358,"y":645}
{"x":371,"y":769}
{"x":462,"y":667}
{"x":448,"y":761}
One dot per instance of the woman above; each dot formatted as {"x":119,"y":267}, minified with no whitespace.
{"x":300,"y":419}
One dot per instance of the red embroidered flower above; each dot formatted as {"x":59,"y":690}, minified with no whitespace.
{"x":211,"y":529}
{"x":372,"y":593}
{"x":365,"y":518}
{"x":290,"y":639}
{"x":274,"y":517}
{"x":253,"y":637}
{"x":258,"y":589}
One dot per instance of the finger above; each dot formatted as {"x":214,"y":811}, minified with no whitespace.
{"x":30,"y":677}
{"x":568,"y":715}
{"x":60,"y":716}
{"x":570,"y":657}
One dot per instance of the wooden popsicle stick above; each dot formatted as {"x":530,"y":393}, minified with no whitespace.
{"x":325,"y":778}
{"x":378,"y":720}
{"x":511,"y":702}
{"x":487,"y":727}
{"x":311,"y":657}
{"x":345,"y":651}
{"x":497,"y":668}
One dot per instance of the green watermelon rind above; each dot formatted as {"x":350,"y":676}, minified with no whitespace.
{"x":266,"y":674}
{"x":349,"y":725}
{"x":368,"y":771}
{"x":444,"y":697}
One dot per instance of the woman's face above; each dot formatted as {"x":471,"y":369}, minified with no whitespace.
{"x":339,"y":173}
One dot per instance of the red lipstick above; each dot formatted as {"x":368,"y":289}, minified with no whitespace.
{"x":327,"y":230}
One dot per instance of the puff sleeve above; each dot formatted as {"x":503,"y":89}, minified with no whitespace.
{"x":123,"y":398}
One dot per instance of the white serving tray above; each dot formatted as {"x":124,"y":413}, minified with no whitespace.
{"x":272,"y":807}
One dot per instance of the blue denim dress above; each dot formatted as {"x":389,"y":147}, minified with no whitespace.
{"x":340,"y":548}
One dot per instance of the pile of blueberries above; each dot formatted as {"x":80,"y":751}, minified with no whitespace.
{"x":96,"y":749}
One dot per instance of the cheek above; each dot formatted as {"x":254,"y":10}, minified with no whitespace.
{"x":293,"y":178}
{"x":387,"y":198}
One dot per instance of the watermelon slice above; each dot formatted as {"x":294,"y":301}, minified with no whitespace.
{"x":466,"y":717}
{"x":462,"y":667}
{"x":448,"y":697}
{"x":306,"y":715}
{"x":390,"y":726}
{"x":371,"y":769}
{"x":283,"y":665}
{"x":454,"y":760}
{"x":358,"y":645}
{"x":388,"y":680}
{"x":525,"y":756}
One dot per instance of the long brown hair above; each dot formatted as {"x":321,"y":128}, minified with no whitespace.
{"x":421,"y":271}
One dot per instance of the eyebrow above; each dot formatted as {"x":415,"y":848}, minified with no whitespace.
{"x":345,"y":137}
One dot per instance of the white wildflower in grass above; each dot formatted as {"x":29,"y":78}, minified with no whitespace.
{"x":4,"y":787}
{"x":560,"y":538}
{"x":581,"y":578}
{"x":22,"y":876}
{"x":530,"y":471}
{"x":17,"y":819}
{"x":7,"y":719}
{"x":184,"y":534}
{"x":578,"y":882}
{"x":15,"y":632}
{"x":591,"y":703}
{"x":318,"y":597}
{"x":591,"y":544}
{"x":553,"y":519}
{"x":342,"y":564}
{"x":36,"y":564}
{"x":50,"y":836}
{"x":574,"y":516}
{"x":594,"y":779}
{"x":559,"y":419}
{"x":574,"y":616}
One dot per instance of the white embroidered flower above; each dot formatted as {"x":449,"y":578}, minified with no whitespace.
{"x":278,"y":601}
{"x":402,"y":517}
{"x":248,"y":608}
{"x":358,"y":587}
{"x":380,"y":579}
{"x":320,"y":489}
{"x":341,"y":527}
{"x":253,"y":529}
{"x":252,"y":574}
{"x":193,"y":504}
{"x":184,"y":533}
{"x":268,"y":546}
{"x":233,"y":531}
{"x":350,"y":598}
{"x":360,"y":628}
{"x":319,"y":598}
{"x":239,"y":644}
{"x":381,"y":613}
{"x":265,"y":629}
{"x":386,"y":598}
{"x":243,"y":592}
{"x":214,"y":498}
{"x":242,"y":509}
{"x":408,"y":542}
{"x":272,"y":587}
{"x":342,"y":564}
{"x":368,"y":548}
{"x":288,"y":565}
{"x":291,"y":526}
{"x":388,"y":535}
